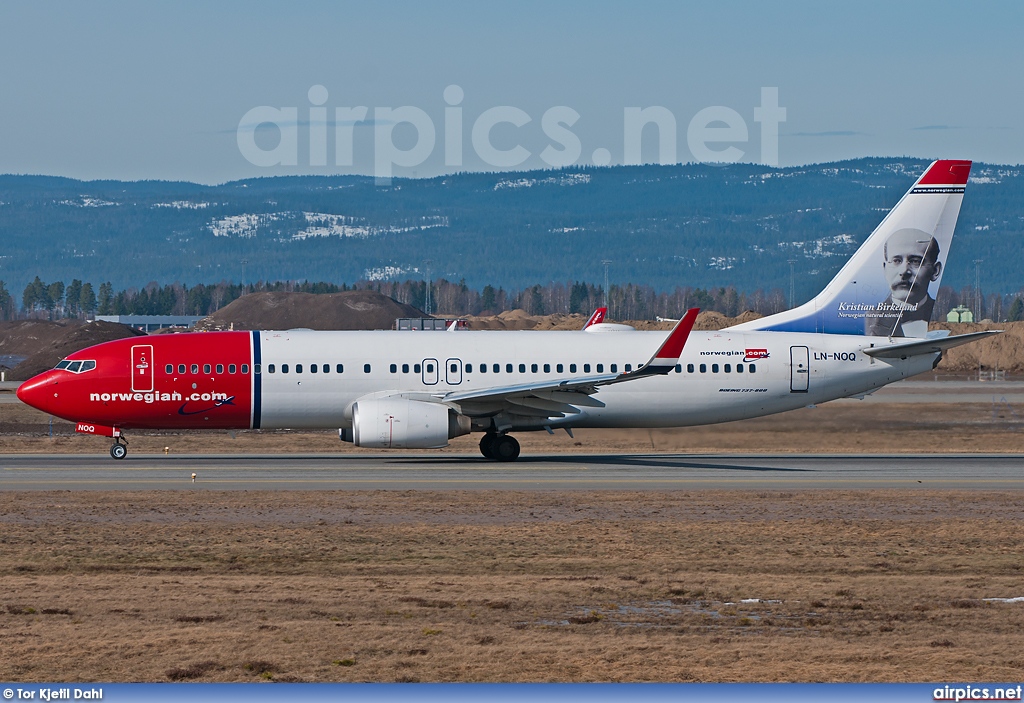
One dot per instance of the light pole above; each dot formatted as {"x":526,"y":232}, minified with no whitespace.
{"x":607,"y":263}
{"x":792,"y":284}
{"x":977,"y":289}
{"x":426,"y":303}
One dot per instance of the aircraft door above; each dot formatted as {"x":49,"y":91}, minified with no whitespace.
{"x":799,"y":369}
{"x":453,"y":371}
{"x":142,"y":368}
{"x":430,"y":371}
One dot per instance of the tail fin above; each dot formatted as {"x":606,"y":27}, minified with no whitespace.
{"x":887,"y":288}
{"x":597,"y":318}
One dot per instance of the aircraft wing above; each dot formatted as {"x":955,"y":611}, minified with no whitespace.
{"x":559,"y":397}
{"x":904,"y":350}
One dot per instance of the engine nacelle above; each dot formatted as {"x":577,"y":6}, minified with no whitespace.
{"x":400,"y":423}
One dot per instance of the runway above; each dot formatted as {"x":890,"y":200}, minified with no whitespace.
{"x":444,"y":472}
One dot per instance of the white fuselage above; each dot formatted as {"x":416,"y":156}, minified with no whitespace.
{"x":780,"y":371}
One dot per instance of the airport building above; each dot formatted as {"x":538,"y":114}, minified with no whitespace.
{"x":151,"y":323}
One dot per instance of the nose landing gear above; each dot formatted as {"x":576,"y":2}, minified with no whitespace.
{"x":118,"y":450}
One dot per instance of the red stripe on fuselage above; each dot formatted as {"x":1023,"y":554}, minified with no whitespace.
{"x":189,"y":400}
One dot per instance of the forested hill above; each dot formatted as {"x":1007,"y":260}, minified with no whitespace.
{"x":665,"y":226}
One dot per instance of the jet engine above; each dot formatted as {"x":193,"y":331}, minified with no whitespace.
{"x":400,"y":423}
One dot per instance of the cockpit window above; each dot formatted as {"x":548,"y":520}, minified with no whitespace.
{"x":76,"y":366}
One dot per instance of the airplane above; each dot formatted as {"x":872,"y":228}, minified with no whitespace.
{"x":398,"y":390}
{"x":597,"y":318}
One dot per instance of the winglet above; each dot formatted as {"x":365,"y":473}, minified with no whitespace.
{"x":667,"y":356}
{"x":597,"y":318}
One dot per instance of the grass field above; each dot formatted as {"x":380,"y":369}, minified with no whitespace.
{"x":524,"y":586}
{"x":507,"y":586}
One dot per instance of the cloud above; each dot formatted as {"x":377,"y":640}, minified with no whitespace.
{"x":369,"y":122}
{"x":932,"y":127}
{"x":833,"y":133}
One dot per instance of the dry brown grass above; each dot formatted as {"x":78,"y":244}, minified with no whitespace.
{"x":506,"y":586}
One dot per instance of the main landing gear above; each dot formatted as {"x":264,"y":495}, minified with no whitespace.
{"x":499,"y":447}
{"x":119,"y":450}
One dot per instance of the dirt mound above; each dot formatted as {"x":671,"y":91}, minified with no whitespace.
{"x":350,"y":310}
{"x":1003,"y":352}
{"x":520,"y":320}
{"x":79,"y":337}
{"x":23,"y":338}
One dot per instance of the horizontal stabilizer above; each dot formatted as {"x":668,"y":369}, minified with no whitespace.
{"x":926,"y":346}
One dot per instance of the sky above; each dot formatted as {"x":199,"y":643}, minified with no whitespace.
{"x":213,"y":92}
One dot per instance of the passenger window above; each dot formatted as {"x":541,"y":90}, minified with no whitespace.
{"x":430,"y":368}
{"x":394,"y":368}
{"x":366,"y":368}
{"x":416,"y":368}
{"x":739,"y":368}
{"x":284,"y":368}
{"x":600,"y":368}
{"x":454,"y":368}
{"x":508,"y":368}
{"x":547,"y":368}
{"x":169,"y":368}
{"x":207,"y":368}
{"x":689,"y":368}
{"x":586,"y":368}
{"x":327,"y":368}
{"x":255,"y":369}
{"x":752,"y":368}
{"x":533,"y":368}
{"x":483,"y":368}
{"x":195,"y":368}
{"x":615,"y":368}
{"x":572,"y":368}
{"x":522,"y":368}
{"x":728,"y":368}
{"x":496,"y":368}
{"x":703,"y":368}
{"x":220,"y":368}
{"x":313,"y":368}
{"x":405,"y":368}
{"x":74,"y":366}
{"x":232,"y":368}
{"x":298,"y":368}
{"x":245,"y":368}
{"x":271,"y":369}
{"x":629,"y":367}
{"x":714,"y":368}
{"x":340,"y":368}
{"x":558,"y":369}
{"x":469,"y":368}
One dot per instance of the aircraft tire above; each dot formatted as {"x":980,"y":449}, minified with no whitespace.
{"x":487,"y":445}
{"x":118,"y":451}
{"x":505,"y":448}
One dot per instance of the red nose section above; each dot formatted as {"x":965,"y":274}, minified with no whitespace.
{"x":40,"y":392}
